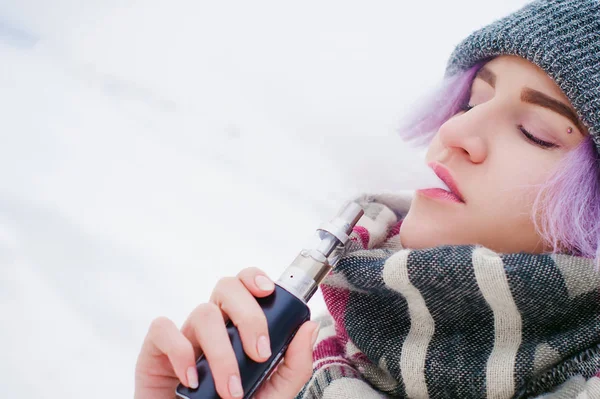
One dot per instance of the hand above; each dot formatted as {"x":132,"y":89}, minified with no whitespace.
{"x":168,"y":355}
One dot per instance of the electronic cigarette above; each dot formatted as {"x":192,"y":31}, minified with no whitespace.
{"x":285,"y":309}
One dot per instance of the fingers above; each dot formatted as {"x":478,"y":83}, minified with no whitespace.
{"x":233,"y":298}
{"x":296,"y":368}
{"x":165,"y":338}
{"x":256,"y":281}
{"x":238,"y":302}
{"x":205,"y":328}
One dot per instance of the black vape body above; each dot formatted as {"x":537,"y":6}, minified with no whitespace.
{"x":285,"y":314}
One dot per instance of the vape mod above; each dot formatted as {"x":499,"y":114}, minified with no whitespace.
{"x":285,"y":309}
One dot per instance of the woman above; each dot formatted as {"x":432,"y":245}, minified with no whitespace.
{"x":485,"y":290}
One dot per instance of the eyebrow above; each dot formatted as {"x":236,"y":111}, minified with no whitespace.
{"x":537,"y":98}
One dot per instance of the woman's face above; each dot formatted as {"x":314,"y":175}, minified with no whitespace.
{"x":498,"y":153}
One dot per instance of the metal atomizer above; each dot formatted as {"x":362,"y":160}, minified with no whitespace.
{"x":285,"y":309}
{"x":312,"y":265}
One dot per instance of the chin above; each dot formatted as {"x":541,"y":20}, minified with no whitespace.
{"x":420,"y":234}
{"x":428,"y":225}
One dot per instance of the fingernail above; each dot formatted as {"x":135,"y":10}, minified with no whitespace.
{"x":192,"y":377}
{"x":235,"y":386}
{"x":315,"y":334}
{"x":263,"y":347}
{"x":264,"y":283}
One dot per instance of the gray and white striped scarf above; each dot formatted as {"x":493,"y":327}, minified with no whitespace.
{"x":454,"y":321}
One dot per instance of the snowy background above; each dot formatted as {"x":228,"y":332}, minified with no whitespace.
{"x":149,"y":148}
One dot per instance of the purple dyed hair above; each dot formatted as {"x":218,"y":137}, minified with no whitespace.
{"x":568,"y":203}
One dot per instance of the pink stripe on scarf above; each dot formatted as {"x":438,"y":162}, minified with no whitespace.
{"x":394,"y":230}
{"x":336,"y":300}
{"x":328,"y":347}
{"x":363,"y":234}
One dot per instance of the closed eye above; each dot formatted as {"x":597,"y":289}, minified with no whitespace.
{"x":535,"y":140}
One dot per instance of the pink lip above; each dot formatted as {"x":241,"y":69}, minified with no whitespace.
{"x":443,"y":173}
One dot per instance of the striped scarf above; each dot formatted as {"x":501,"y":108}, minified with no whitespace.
{"x":454,"y":321}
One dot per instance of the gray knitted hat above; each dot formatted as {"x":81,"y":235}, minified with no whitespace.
{"x":560,"y":36}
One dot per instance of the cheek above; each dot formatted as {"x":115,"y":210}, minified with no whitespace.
{"x":507,"y":196}
{"x":519,"y":174}
{"x":509,"y":188}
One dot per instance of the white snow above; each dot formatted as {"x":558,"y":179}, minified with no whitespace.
{"x":149,"y":148}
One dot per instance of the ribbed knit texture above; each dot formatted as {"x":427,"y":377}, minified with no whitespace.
{"x":560,"y":36}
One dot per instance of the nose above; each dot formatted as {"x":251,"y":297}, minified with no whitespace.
{"x":465,"y":133}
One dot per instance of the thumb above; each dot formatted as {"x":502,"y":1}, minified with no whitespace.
{"x":296,"y":368}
